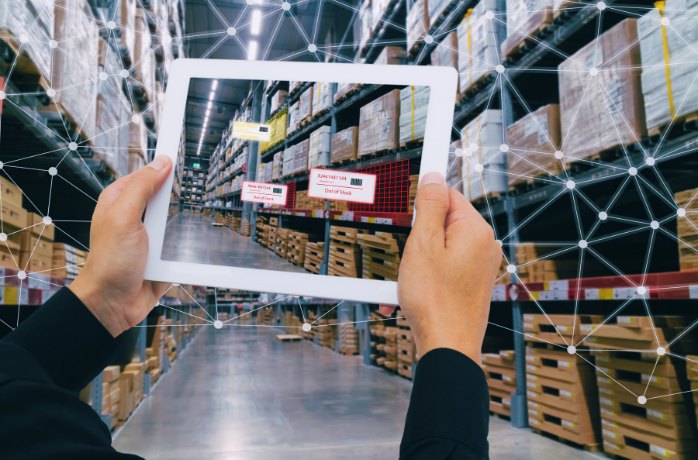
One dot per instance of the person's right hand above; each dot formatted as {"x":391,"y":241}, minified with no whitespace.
{"x":447,"y":272}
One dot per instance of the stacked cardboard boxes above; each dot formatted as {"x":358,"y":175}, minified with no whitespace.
{"x":305,"y":105}
{"x":406,"y":350}
{"x":484,"y":172}
{"x":446,"y":52}
{"x":277,"y":100}
{"x":345,"y":255}
{"x":111,"y":393}
{"x":34,"y":19}
{"x":380,"y":254}
{"x":323,"y":97}
{"x":319,"y":147}
{"x":314,"y":253}
{"x":295,"y":250}
{"x":477,"y":45}
{"x":525,"y":18}
{"x":296,"y":158}
{"x":379,"y":127}
{"x":390,"y":55}
{"x":14,"y":219}
{"x":501,"y":380}
{"x":111,"y":112}
{"x":686,"y":228}
{"x":36,"y":245}
{"x":417,"y":22}
{"x":348,"y":339}
{"x":387,"y":356}
{"x":143,"y":56}
{"x":130,"y":389}
{"x":326,"y":331}
{"x":345,"y":145}
{"x":414,"y":102}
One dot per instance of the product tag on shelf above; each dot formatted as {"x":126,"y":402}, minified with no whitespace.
{"x":342,"y":185}
{"x":251,"y":131}
{"x":693,"y":292}
{"x":258,"y":192}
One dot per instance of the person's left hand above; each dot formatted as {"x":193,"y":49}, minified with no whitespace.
{"x":111,"y":284}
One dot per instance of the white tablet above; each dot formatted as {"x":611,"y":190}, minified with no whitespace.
{"x":308,"y":194}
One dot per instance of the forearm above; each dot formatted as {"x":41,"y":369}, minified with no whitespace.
{"x":448,"y":417}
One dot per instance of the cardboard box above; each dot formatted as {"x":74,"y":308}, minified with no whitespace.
{"x":414,"y":102}
{"x":10,"y":193}
{"x":345,"y":145}
{"x":36,"y":222}
{"x":525,"y":18}
{"x":417,"y":22}
{"x":484,"y":170}
{"x":379,"y":124}
{"x":477,"y":44}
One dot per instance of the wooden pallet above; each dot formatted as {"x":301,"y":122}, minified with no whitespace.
{"x":679,"y":123}
{"x":344,"y":234}
{"x":591,"y":447}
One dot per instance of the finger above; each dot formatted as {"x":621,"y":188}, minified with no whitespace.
{"x":431,"y":207}
{"x":464,"y":221}
{"x":459,"y":208}
{"x":110,"y":194}
{"x":142,"y":185}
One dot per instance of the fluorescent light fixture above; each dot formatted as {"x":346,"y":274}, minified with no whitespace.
{"x":252,"y":49}
{"x":256,"y":24}
{"x":211,"y":95}
{"x":209,"y":105}
{"x":214,"y":85}
{"x":208,"y":113}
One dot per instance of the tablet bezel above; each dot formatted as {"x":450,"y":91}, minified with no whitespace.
{"x":443,"y":85}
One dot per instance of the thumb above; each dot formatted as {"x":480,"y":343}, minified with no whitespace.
{"x":431,"y":207}
{"x":142,"y":185}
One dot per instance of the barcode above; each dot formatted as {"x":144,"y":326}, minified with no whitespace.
{"x":357,"y":181}
{"x":277,"y":190}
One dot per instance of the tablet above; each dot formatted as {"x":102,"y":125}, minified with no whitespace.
{"x":310,"y":188}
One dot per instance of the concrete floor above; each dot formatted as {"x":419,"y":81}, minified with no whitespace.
{"x":238,"y":393}
{"x":196,"y":239}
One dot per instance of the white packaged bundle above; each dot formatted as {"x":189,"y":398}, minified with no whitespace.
{"x":366,"y":22}
{"x":669,"y":62}
{"x":524,"y":19}
{"x":414,"y":102}
{"x":417,"y":22}
{"x":477,"y":44}
{"x":33,"y":20}
{"x":484,"y":164}
{"x":319,"y":147}
{"x":293,"y":117}
{"x":143,"y":57}
{"x":109,"y":108}
{"x":323,"y":97}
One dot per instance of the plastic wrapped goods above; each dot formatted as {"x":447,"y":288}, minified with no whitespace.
{"x":670,"y":62}
{"x":484,"y":171}
{"x":319,"y":147}
{"x":344,"y":144}
{"x":532,"y":142}
{"x":392,"y":55}
{"x":437,"y":8}
{"x":277,"y":100}
{"x":305,"y":104}
{"x":295,"y":158}
{"x":455,"y":165}
{"x":607,"y":112}
{"x":35,"y":20}
{"x":477,"y":44}
{"x":524,"y":19}
{"x":138,"y":137}
{"x":379,"y":124}
{"x":343,"y":90}
{"x":75,"y":62}
{"x":414,"y":102}
{"x":111,"y":109}
{"x":365,"y":22}
{"x":323,"y":96}
{"x":293,"y":117}
{"x":277,"y":166}
{"x":143,"y":58}
{"x":417,"y":22}
{"x":446,"y":52}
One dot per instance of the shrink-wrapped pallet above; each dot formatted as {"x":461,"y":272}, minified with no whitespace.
{"x":138,"y":137}
{"x":277,"y":165}
{"x":379,"y":124}
{"x":484,"y":172}
{"x":345,"y":144}
{"x":391,"y":55}
{"x":344,"y":90}
{"x":454,"y":172}
{"x":446,"y":52}
{"x":414,"y":102}
{"x":323,"y":95}
{"x":111,"y":109}
{"x":437,"y":9}
{"x":607,"y":111}
{"x":533,"y":141}
{"x":319,"y":147}
{"x":277,"y":100}
{"x":670,"y":62}
{"x":365,"y":23}
{"x":33,"y":20}
{"x":417,"y":22}
{"x":75,"y":62}
{"x":305,"y":104}
{"x":477,"y":44}
{"x":379,"y":9}
{"x":293,"y":117}
{"x":293,"y":86}
{"x":295,"y":158}
{"x":143,"y":58}
{"x":525,"y":18}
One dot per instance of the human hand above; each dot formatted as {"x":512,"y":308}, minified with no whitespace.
{"x":111,"y":284}
{"x":448,"y":270}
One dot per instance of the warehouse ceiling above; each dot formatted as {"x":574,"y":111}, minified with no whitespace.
{"x":223,"y":29}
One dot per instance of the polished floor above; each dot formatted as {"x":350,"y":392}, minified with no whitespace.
{"x":240,"y":394}
{"x":195,"y":239}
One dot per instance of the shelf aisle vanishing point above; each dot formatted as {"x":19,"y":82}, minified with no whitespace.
{"x":198,"y":240}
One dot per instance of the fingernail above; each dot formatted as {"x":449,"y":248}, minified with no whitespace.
{"x":433,"y":178}
{"x":159,"y":163}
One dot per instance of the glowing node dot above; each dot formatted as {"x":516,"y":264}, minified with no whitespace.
{"x":312,"y":48}
{"x":3,"y":95}
{"x":583,"y":244}
{"x":123,"y":73}
{"x":52,"y":171}
{"x":489,"y":15}
{"x":428,"y":39}
{"x":559,"y":155}
{"x":661,"y":351}
{"x":603,"y":215}
{"x":23,"y":38}
{"x":479,"y":168}
{"x":218,"y":324}
{"x":111,"y":25}
{"x":504,"y":148}
{"x":681,"y":212}
{"x":632,"y":171}
{"x":459,"y":152}
{"x":22,"y":275}
{"x":285,"y":6}
{"x":641,"y":290}
{"x":72,"y":146}
{"x":665,"y":21}
{"x":511,"y":268}
{"x":135,"y":118}
{"x":53,"y":44}
{"x":232,"y":31}
{"x":500,"y":243}
{"x":2,"y":165}
{"x":51,"y":92}
{"x":499,"y":68}
{"x":47,"y":220}
{"x":593,"y":71}
{"x":3,"y":236}
{"x":570,"y":184}
{"x":642,"y":400}
{"x":572,"y":349}
{"x":103,"y":76}
{"x":167,"y":39}
{"x":650,"y":161}
{"x":601,"y":6}
{"x":306,"y":327}
{"x":654,"y":225}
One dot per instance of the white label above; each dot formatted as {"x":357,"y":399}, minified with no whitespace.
{"x":499,"y":293}
{"x":693,"y":292}
{"x":566,"y":393}
{"x":559,"y":285}
{"x":591,"y":294}
{"x":624,"y":293}
{"x":251,"y":131}
{"x":342,"y":185}
{"x":258,"y":192}
{"x":660,"y":451}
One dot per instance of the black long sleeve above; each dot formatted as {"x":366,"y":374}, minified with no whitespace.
{"x":43,"y":365}
{"x":448,"y":417}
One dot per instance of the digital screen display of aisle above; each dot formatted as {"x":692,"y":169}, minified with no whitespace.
{"x":308,"y":177}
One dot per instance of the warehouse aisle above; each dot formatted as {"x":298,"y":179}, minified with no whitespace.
{"x":197,"y":240}
{"x":240,"y":394}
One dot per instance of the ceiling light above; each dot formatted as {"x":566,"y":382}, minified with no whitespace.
{"x":209,"y":105}
{"x":252,"y":50}
{"x":211,"y":95}
{"x":214,"y":85}
{"x":256,"y":25}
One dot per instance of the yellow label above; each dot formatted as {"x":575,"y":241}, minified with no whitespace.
{"x":251,"y":131}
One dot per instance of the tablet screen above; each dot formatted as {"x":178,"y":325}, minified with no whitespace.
{"x":308,"y":177}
